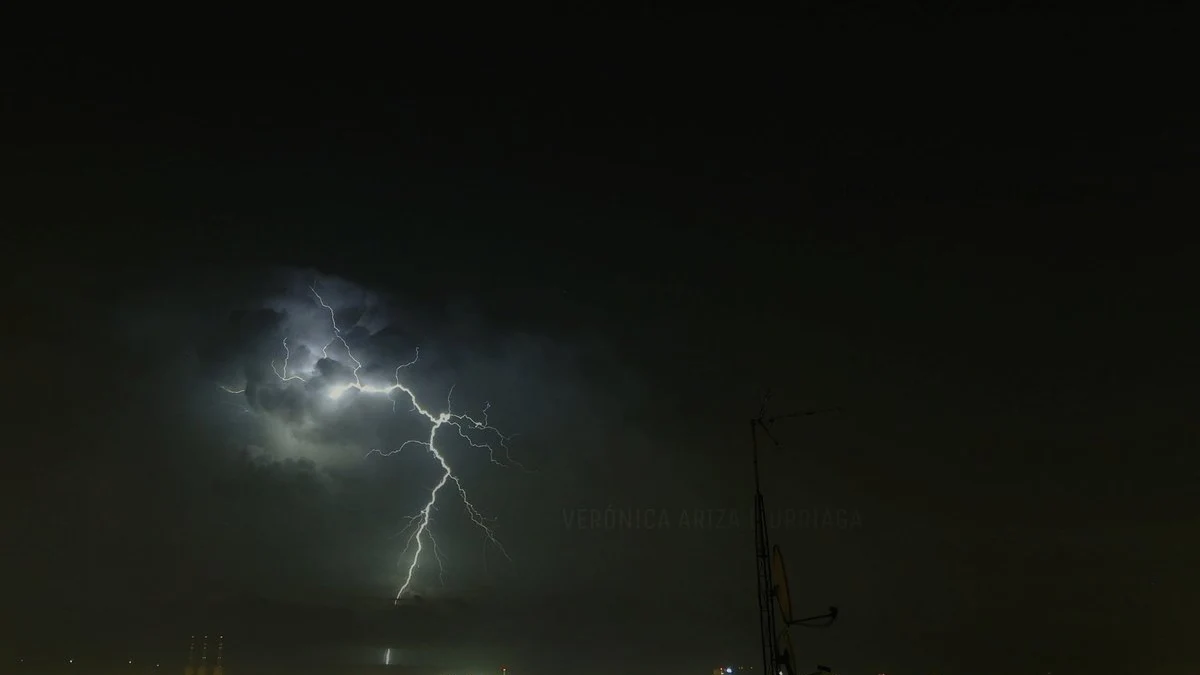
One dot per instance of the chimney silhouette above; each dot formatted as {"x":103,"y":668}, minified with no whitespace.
{"x":190,"y":668}
{"x":203,"y":670}
{"x":220,"y":670}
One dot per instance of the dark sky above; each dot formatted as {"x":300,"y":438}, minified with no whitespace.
{"x":971,"y":232}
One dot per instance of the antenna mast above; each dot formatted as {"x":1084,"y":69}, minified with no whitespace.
{"x":762,"y":543}
{"x":762,"y":548}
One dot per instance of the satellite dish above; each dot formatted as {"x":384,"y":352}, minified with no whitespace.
{"x":787,"y":654}
{"x":783,"y":595}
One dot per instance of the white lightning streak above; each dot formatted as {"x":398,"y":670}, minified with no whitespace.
{"x":463,"y":424}
{"x":282,"y":375}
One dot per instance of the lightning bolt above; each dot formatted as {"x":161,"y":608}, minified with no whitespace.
{"x":471,"y":429}
{"x":282,"y":374}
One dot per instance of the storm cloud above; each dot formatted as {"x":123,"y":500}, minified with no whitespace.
{"x":272,"y":490}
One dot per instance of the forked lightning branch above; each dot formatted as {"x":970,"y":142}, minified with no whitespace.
{"x":475,"y":431}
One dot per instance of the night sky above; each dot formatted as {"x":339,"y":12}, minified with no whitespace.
{"x":969,"y":232}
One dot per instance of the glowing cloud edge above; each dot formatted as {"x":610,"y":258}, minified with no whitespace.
{"x":420,"y":522}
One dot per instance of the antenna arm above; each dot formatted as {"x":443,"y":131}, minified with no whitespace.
{"x":831,"y":615}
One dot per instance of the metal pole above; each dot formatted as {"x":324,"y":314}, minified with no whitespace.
{"x":766,"y":587}
{"x":766,"y":614}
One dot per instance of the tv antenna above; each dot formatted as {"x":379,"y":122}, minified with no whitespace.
{"x":778,"y":656}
